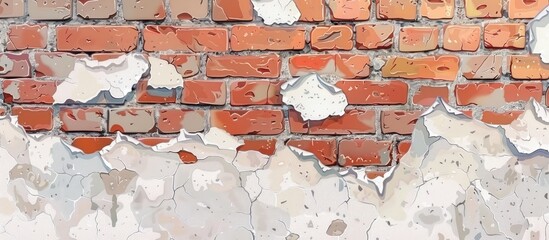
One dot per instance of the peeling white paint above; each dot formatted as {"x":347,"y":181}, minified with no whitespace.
{"x":90,"y":77}
{"x":313,"y":97}
{"x":277,"y":11}
{"x":538,"y":31}
{"x":164,"y":74}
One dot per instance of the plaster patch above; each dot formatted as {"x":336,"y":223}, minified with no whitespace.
{"x":313,"y":97}
{"x":90,"y":77}
{"x":277,"y":11}
{"x":538,"y":31}
{"x":164,"y":74}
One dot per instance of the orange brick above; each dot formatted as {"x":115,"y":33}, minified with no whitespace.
{"x":342,"y":65}
{"x":204,"y":92}
{"x":526,"y":8}
{"x":248,"y":122}
{"x":426,"y":95}
{"x":508,"y":35}
{"x":97,"y":38}
{"x":232,"y":10}
{"x":374,"y":36}
{"x":91,"y":145}
{"x":21,"y":37}
{"x":528,"y":68}
{"x":190,"y":39}
{"x":483,"y":8}
{"x":438,"y":9}
{"x":500,"y":118}
{"x":311,"y":10}
{"x":349,"y":10}
{"x":461,"y":38}
{"x":251,"y":37}
{"x":339,"y":37}
{"x":264,"y":146}
{"x":418,"y":39}
{"x":396,"y":9}
{"x":34,"y":118}
{"x":443,"y":67}
{"x":366,"y":92}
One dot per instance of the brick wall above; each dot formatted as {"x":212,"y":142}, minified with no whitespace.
{"x":391,"y":58}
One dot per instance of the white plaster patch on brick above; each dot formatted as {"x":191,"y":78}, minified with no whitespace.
{"x":277,"y":11}
{"x":90,"y":77}
{"x":313,"y":97}
{"x":164,"y":74}
{"x":528,"y":133}
{"x":538,"y":30}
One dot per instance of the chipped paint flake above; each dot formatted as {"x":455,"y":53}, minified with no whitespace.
{"x":313,"y":97}
{"x":91,"y":77}
{"x":538,"y":30}
{"x":164,"y":74}
{"x":277,"y":11}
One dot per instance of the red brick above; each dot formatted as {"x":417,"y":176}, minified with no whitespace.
{"x":402,"y":148}
{"x":187,"y":157}
{"x":508,"y":35}
{"x":337,"y":37}
{"x":528,"y":68}
{"x":342,"y":65}
{"x":91,"y":145}
{"x":461,"y":38}
{"x":173,"y":120}
{"x":426,"y":95}
{"x":186,"y":64}
{"x":207,"y":92}
{"x":81,"y":119}
{"x":264,"y":146}
{"x":147,"y":94}
{"x":526,"y":8}
{"x":297,"y":125}
{"x":311,"y":10}
{"x":262,"y":66}
{"x":34,"y":118}
{"x":131,"y":120}
{"x":482,"y":67}
{"x":354,"y":121}
{"x":496,"y":94}
{"x":500,"y":118}
{"x":14,"y":65}
{"x":366,"y":92}
{"x":325,"y":150}
{"x":349,"y":10}
{"x":153,"y":141}
{"x":374,"y":36}
{"x":253,"y":37}
{"x":97,"y":38}
{"x":396,"y":9}
{"x":190,"y":39}
{"x":442,"y":67}
{"x":398,"y":121}
{"x":28,"y":91}
{"x":55,"y":64}
{"x":106,"y":56}
{"x":21,"y":37}
{"x":3,"y":111}
{"x":483,"y":8}
{"x":261,"y":92}
{"x":364,"y":152}
{"x":232,"y":10}
{"x":418,"y":39}
{"x":437,"y":9}
{"x":248,"y":122}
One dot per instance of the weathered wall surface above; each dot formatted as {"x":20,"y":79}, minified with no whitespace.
{"x":390,"y":58}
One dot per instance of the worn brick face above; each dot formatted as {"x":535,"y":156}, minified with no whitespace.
{"x":21,"y":37}
{"x":172,"y":120}
{"x":497,"y":94}
{"x":396,"y":9}
{"x":34,"y":118}
{"x":253,"y":37}
{"x":204,"y":92}
{"x":266,"y":66}
{"x":374,"y":36}
{"x":509,"y":35}
{"x":28,"y":91}
{"x":483,"y":8}
{"x":443,"y":67}
{"x":13,"y":8}
{"x":232,"y":10}
{"x":133,"y":120}
{"x":261,"y":92}
{"x":244,"y":122}
{"x":81,"y":119}
{"x":324,"y":150}
{"x":461,"y":38}
{"x":528,"y":67}
{"x":374,"y":92}
{"x":97,"y":38}
{"x":364,"y":152}
{"x":349,"y":10}
{"x":189,"y":39}
{"x":418,"y":39}
{"x":96,"y":9}
{"x":437,"y":9}
{"x":338,"y":37}
{"x":342,"y":65}
{"x":401,"y":122}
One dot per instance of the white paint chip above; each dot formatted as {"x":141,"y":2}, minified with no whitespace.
{"x":164,"y":74}
{"x":277,"y":11}
{"x":313,"y":97}
{"x":90,"y":77}
{"x":538,"y":30}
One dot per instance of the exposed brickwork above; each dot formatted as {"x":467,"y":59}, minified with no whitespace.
{"x":391,"y":58}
